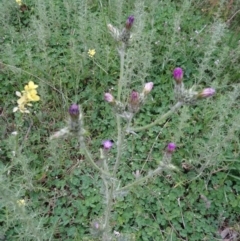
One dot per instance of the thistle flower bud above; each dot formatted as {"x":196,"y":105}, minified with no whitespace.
{"x":125,"y":34}
{"x":147,"y":88}
{"x":178,"y":75}
{"x":109,"y":98}
{"x":95,"y":225}
{"x":74,"y":110}
{"x":114,"y":31}
{"x":129,"y":22}
{"x":74,"y":121}
{"x":107,"y":144}
{"x":97,"y":228}
{"x":171,"y":147}
{"x":134,"y":98}
{"x":134,"y":102}
{"x":208,"y":92}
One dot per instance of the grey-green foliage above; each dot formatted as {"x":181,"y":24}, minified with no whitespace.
{"x":217,"y":31}
{"x":17,"y":211}
{"x":221,"y":140}
{"x":138,"y":62}
{"x":173,"y":28}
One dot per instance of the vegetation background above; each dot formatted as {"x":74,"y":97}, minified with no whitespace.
{"x":48,"y":42}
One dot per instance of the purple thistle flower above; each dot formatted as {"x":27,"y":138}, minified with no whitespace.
{"x":171,"y":147}
{"x":178,"y":75}
{"x":208,"y":92}
{"x":108,"y":97}
{"x":129,"y":22}
{"x":74,"y":110}
{"x":107,"y":144}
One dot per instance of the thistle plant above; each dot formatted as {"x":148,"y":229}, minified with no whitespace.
{"x":124,"y":113}
{"x":146,"y":151}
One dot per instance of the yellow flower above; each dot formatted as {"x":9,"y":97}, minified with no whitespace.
{"x":19,"y":2}
{"x":21,"y":202}
{"x":91,"y":52}
{"x":32,"y":95}
{"x":28,"y":94}
{"x":22,"y":101}
{"x":30,"y":86}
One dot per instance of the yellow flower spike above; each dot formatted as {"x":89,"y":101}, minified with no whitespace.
{"x":28,"y":95}
{"x":91,"y":52}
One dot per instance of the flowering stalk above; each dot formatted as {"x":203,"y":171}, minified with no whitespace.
{"x":124,"y":37}
{"x":119,"y":128}
{"x":29,"y":94}
{"x":108,"y":190}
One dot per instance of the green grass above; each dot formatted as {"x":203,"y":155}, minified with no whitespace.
{"x":48,"y":43}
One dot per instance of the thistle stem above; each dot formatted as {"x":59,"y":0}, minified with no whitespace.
{"x":109,"y":186}
{"x":159,"y":120}
{"x":119,"y":145}
{"x":89,"y":158}
{"x":84,"y":147}
{"x":141,"y":180}
{"x":120,"y":81}
{"x":148,"y":176}
{"x":119,"y":128}
{"x":108,"y":195}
